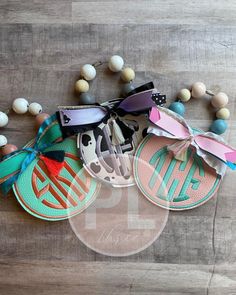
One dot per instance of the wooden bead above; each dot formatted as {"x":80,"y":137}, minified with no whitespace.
{"x":20,"y":105}
{"x":86,"y":98}
{"x":184,"y":95}
{"x":8,"y":149}
{"x":88,"y":72}
{"x":3,"y":140}
{"x":223,"y":113}
{"x":127,"y":75}
{"x":3,"y":119}
{"x":218,"y":126}
{"x":177,"y":107}
{"x":219,"y":100}
{"x":41,"y":118}
{"x":127,"y":87}
{"x":116,"y":63}
{"x":198,"y":89}
{"x":81,"y":86}
{"x":35,"y":108}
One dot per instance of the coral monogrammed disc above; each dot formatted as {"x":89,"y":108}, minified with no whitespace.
{"x":107,"y":162}
{"x":56,"y":198}
{"x":189,"y":183}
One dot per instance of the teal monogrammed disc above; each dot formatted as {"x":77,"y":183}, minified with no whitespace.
{"x":56,"y":198}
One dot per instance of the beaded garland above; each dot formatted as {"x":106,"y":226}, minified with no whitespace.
{"x":218,"y":101}
{"x":19,"y":106}
{"x":88,"y":73}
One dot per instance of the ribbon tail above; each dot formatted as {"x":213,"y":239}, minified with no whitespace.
{"x":54,"y":161}
{"x":169,"y":122}
{"x":214,"y":145}
{"x":231,"y":165}
{"x":231,"y":159}
{"x":7,"y":184}
{"x":138,"y":102}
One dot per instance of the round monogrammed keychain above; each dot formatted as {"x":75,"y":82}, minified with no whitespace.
{"x":46,"y":175}
{"x":186,"y":165}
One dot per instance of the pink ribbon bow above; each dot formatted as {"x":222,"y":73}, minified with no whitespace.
{"x":211,"y":147}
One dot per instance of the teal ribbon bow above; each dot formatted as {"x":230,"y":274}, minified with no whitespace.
{"x":14,"y":164}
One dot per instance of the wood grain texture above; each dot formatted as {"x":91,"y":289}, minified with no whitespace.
{"x":114,"y":278}
{"x":174,"y":43}
{"x":154,"y":12}
{"x":37,"y":11}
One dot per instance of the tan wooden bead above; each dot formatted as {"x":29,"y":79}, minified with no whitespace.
{"x":223,"y":113}
{"x":184,"y":95}
{"x":198,"y":89}
{"x":127,"y":75}
{"x":219,"y":100}
{"x":35,"y":108}
{"x":81,"y":86}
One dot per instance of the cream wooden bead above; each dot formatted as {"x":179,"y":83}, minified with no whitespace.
{"x":198,"y":89}
{"x":223,"y":113}
{"x":20,"y":105}
{"x":219,"y":100}
{"x":116,"y":63}
{"x":184,"y":95}
{"x":127,"y":75}
{"x":3,"y":119}
{"x":35,"y":108}
{"x":3,"y":140}
{"x":81,"y":86}
{"x":88,"y":72}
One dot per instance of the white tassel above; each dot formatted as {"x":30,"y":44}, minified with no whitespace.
{"x":116,"y":133}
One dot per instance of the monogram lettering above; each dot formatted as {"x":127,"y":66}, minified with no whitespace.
{"x":190,"y":180}
{"x":65,"y":193}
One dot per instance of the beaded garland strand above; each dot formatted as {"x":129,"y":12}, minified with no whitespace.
{"x":20,"y":106}
{"x":88,"y":73}
{"x":218,"y":101}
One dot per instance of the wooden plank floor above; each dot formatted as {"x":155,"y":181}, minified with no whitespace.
{"x":174,"y":43}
